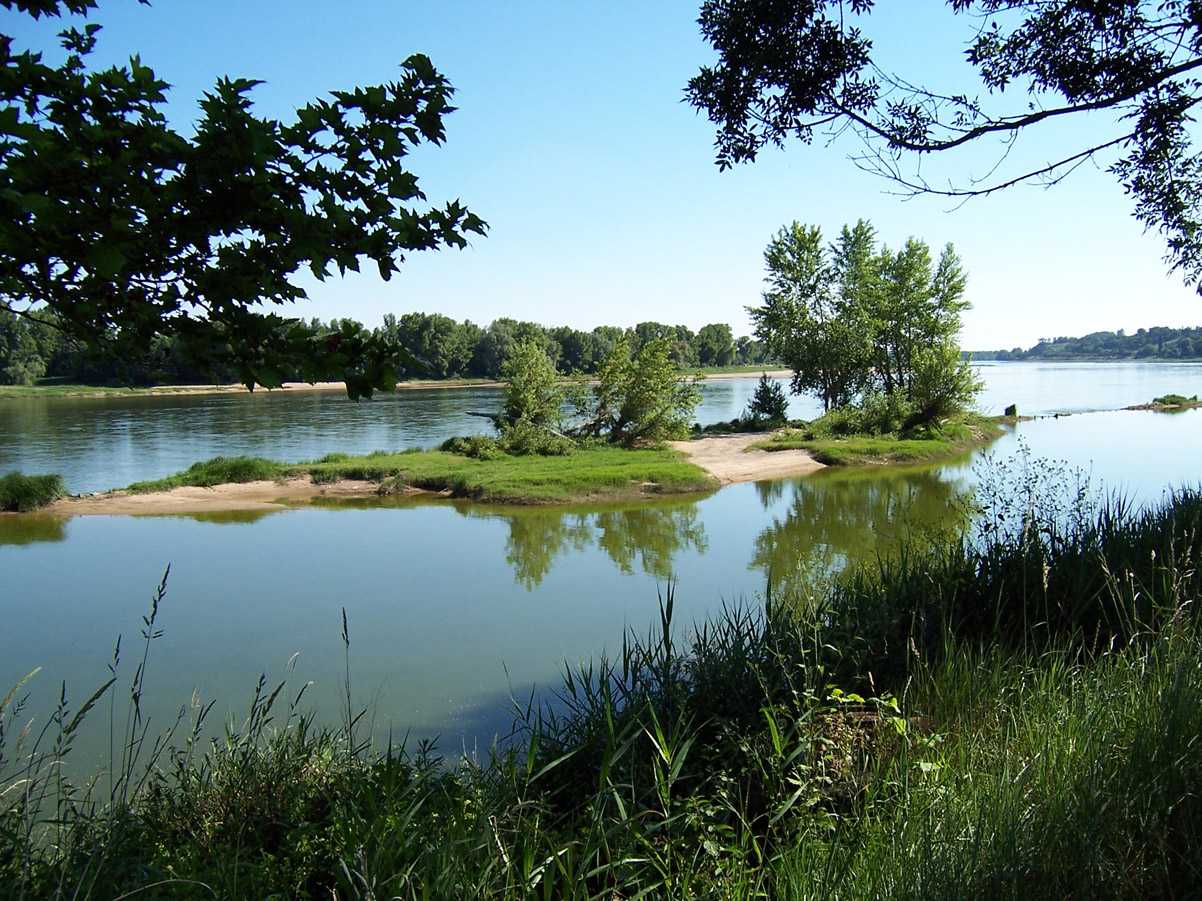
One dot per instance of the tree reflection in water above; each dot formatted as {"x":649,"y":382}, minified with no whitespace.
{"x":847,"y":517}
{"x":648,"y":536}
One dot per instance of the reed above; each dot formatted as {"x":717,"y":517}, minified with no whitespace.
{"x":21,"y":493}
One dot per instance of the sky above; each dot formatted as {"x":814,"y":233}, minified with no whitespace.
{"x":572,"y":140}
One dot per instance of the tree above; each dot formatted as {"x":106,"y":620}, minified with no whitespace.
{"x":20,"y":362}
{"x":804,"y":68}
{"x":715,"y":345}
{"x":128,"y":230}
{"x":533,"y":393}
{"x":808,"y":324}
{"x":769,"y":403}
{"x":641,"y":398}
{"x":850,"y":320}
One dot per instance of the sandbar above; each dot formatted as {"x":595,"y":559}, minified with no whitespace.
{"x":728,"y":458}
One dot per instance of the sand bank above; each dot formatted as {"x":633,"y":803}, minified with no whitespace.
{"x":726,"y":457}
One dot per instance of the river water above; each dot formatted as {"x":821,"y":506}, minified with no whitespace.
{"x":455,"y":608}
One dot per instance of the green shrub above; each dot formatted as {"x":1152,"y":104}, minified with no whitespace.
{"x":1175,"y":400}
{"x":20,"y":494}
{"x":768,"y":405}
{"x":478,"y":447}
{"x":523,"y":438}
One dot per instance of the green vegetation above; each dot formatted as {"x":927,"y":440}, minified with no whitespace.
{"x":597,"y":472}
{"x":842,"y":437}
{"x":1157,"y":343}
{"x":823,"y":69}
{"x":1014,"y":714}
{"x":34,"y":351}
{"x":864,"y":326}
{"x":217,"y":471}
{"x":20,"y":494}
{"x":1176,"y":400}
{"x":768,"y":407}
{"x":172,"y":247}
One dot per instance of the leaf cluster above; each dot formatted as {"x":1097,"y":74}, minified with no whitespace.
{"x":127,"y":229}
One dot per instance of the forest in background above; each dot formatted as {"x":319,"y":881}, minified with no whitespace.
{"x":33,"y":350}
{"x":1157,"y":343}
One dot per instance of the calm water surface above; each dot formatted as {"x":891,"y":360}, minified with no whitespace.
{"x":454,"y":608}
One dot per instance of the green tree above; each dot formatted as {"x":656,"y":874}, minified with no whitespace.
{"x":715,"y":345}
{"x":20,"y":361}
{"x":642,"y":398}
{"x":806,"y":69}
{"x":849,"y":319}
{"x":128,"y":230}
{"x":533,"y":393}
{"x":806,"y":323}
{"x":768,"y":404}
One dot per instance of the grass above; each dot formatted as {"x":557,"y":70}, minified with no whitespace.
{"x":217,"y":471}
{"x":1013,"y":715}
{"x":596,"y":473}
{"x":950,"y":440}
{"x":21,"y":493}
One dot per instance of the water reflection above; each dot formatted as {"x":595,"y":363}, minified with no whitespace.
{"x":31,"y":528}
{"x":837,"y":518}
{"x":649,"y":536}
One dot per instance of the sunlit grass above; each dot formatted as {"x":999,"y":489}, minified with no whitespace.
{"x":21,"y":494}
{"x":950,"y":440}
{"x":596,"y":473}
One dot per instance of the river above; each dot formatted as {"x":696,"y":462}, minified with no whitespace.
{"x":453,"y":608}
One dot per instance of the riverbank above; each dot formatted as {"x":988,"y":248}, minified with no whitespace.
{"x":952,"y":439}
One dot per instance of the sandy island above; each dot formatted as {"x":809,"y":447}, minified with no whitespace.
{"x":726,"y":457}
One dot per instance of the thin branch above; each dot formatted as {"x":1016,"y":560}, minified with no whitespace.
{"x":923,"y":187}
{"x":1017,"y":123}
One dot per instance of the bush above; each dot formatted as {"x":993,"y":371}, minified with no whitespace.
{"x":20,"y":494}
{"x":478,"y":447}
{"x":769,"y":404}
{"x":524,"y":438}
{"x":1175,"y":400}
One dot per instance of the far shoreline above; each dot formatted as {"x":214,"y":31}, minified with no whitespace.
{"x":98,"y":391}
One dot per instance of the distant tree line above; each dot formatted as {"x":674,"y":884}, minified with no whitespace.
{"x":1157,"y":343}
{"x":33,"y":348}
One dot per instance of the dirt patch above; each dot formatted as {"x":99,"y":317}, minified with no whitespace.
{"x":729,"y":458}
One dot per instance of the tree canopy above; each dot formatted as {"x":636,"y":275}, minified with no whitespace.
{"x":804,"y":68}
{"x":128,"y":230}
{"x":853,"y":320}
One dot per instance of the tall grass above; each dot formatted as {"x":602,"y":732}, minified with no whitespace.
{"x":216,"y":471}
{"x":1013,"y":716}
{"x":21,"y":493}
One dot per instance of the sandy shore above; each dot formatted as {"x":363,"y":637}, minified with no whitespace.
{"x":726,"y":457}
{"x":729,"y":459}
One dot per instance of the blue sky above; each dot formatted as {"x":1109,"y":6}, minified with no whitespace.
{"x":598,"y":183}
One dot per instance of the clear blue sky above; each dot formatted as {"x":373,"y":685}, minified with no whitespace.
{"x":598,"y":183}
